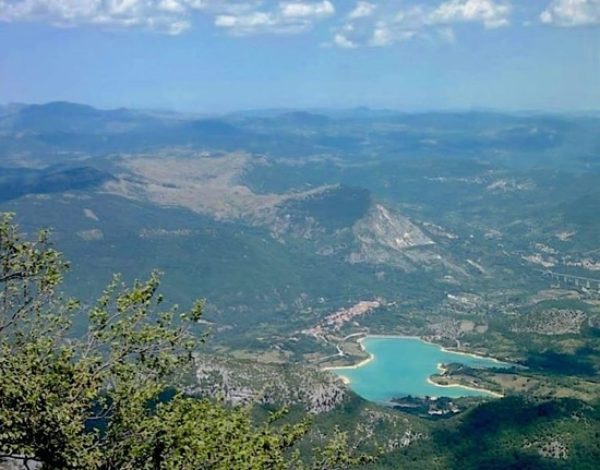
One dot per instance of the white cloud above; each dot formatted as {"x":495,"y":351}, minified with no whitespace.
{"x":489,"y":12}
{"x":569,"y":13}
{"x":224,"y":6}
{"x":285,"y":18}
{"x":169,"y":16}
{"x":172,"y":6}
{"x":393,"y":22}
{"x":247,"y":23}
{"x":239,"y":17}
{"x":307,"y":9}
{"x":382,"y":36}
{"x":342,"y":41}
{"x":362,"y":10}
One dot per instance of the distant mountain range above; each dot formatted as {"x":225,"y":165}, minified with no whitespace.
{"x":284,"y":216}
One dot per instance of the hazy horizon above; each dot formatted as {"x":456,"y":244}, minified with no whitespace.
{"x":340,"y":109}
{"x":216,"y":56}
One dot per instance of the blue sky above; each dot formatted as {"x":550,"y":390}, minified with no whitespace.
{"x":216,"y":56}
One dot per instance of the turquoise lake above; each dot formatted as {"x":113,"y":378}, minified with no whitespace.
{"x":401,"y":366}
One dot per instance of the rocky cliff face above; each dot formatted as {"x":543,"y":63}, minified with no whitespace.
{"x":385,"y":237}
{"x":348,"y":223}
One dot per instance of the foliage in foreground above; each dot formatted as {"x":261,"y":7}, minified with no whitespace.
{"x":98,"y":401}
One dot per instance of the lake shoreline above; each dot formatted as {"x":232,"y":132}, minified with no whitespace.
{"x":440,"y":367}
{"x":467,"y":387}
{"x":344,"y":379}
